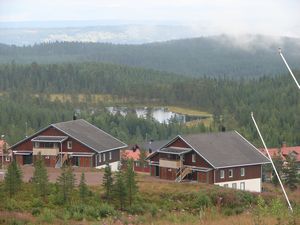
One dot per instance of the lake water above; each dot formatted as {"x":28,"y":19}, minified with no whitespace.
{"x":160,"y":114}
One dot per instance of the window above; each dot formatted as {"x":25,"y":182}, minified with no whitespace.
{"x":222,"y":174}
{"x":226,"y":185}
{"x":55,"y":145}
{"x":47,"y":157}
{"x":36,"y":144}
{"x":242,"y":185}
{"x":69,"y":144}
{"x":242,"y":172}
{"x":103,"y":157}
{"x":110,"y":156}
{"x":234,"y":185}
{"x":230,"y":173}
{"x":7,"y":158}
{"x":99,"y":158}
{"x":193,"y":157}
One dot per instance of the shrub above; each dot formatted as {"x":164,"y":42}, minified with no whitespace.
{"x":153,"y":210}
{"x":105,"y":210}
{"x":47,"y":216}
{"x":202,"y":201}
{"x":35,"y":211}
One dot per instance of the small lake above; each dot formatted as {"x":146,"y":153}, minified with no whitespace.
{"x":160,"y":114}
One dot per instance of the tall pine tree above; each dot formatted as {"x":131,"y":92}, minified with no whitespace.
{"x":83,"y":188}
{"x":120,"y":189}
{"x":40,"y":177}
{"x":66,"y":183}
{"x":13,"y":179}
{"x":108,"y":182}
{"x":290,"y":172}
{"x":131,"y":184}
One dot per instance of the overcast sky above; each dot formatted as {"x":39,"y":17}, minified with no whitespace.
{"x":271,"y":17}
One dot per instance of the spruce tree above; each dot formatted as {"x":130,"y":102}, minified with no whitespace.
{"x":40,"y":177}
{"x":120,"y":189}
{"x":108,"y":182}
{"x":66,"y":183}
{"x":131,"y":184}
{"x":290,"y":172}
{"x":13,"y":179}
{"x":83,"y":188}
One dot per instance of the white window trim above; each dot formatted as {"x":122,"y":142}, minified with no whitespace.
{"x":243,"y":174}
{"x":234,"y":184}
{"x":242,"y":184}
{"x":99,"y":158}
{"x":230,"y":173}
{"x":69,"y":144}
{"x":7,"y":159}
{"x":36,"y":144}
{"x":194,"y":157}
{"x":104,"y":157}
{"x":222,"y":174}
{"x":110,"y":156}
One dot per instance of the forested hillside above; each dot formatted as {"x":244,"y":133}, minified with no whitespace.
{"x":216,"y":56}
{"x":274,"y":100}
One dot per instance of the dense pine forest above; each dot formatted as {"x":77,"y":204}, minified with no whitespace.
{"x":253,"y":56}
{"x":26,"y":106}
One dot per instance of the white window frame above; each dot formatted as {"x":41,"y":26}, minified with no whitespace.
{"x":243,"y":172}
{"x":194,"y":157}
{"x":69,"y":144}
{"x":222,"y":174}
{"x":242,"y":185}
{"x":234,"y":186}
{"x":230,"y":173}
{"x":104,"y":159}
{"x":110,"y":156}
{"x":99,"y":158}
{"x":7,"y":159}
{"x":36,"y":144}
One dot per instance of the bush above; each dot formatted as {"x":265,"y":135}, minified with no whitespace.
{"x":47,"y":216}
{"x":105,"y":210}
{"x":202,"y":201}
{"x":37,"y":203}
{"x":153,"y":210}
{"x":35,"y":211}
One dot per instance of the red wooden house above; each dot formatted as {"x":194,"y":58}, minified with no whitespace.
{"x":75,"y":142}
{"x":226,"y":159}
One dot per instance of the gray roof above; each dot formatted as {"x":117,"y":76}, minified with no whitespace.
{"x":154,"y":145}
{"x":89,"y":135}
{"x":225,"y":149}
{"x":49,"y":138}
{"x":176,"y":151}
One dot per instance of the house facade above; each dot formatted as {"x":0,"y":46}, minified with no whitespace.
{"x":75,"y":142}
{"x":226,"y":159}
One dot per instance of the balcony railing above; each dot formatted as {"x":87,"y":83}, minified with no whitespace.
{"x":46,"y":151}
{"x":169,"y":163}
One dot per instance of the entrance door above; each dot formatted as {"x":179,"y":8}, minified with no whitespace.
{"x":157,"y":171}
{"x":27,"y":159}
{"x":76,"y":161}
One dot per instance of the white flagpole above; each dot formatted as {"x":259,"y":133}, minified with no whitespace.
{"x":286,"y":197}
{"x":287,"y":65}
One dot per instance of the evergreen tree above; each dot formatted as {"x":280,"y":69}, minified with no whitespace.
{"x":142,"y":158}
{"x":290,"y":172}
{"x":40,"y":177}
{"x":120,"y":189}
{"x":108,"y":182}
{"x":278,"y":162}
{"x":131,"y":184}
{"x":66,"y":183}
{"x":13,"y":179}
{"x":83,"y":188}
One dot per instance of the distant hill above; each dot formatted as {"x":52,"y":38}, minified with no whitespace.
{"x":218,"y":56}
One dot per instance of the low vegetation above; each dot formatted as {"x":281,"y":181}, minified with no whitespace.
{"x":140,"y":199}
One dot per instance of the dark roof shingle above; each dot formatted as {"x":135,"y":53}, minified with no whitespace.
{"x":225,"y":149}
{"x":89,"y":135}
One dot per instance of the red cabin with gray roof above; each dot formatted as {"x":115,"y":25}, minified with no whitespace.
{"x":76,"y":142}
{"x":226,"y":159}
